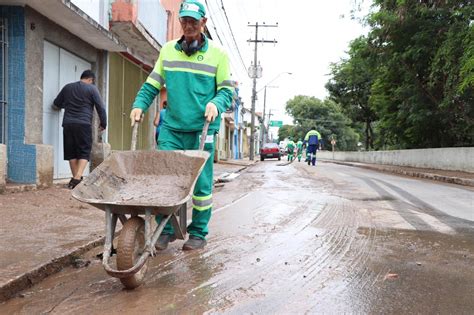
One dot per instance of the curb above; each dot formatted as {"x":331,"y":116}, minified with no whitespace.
{"x":32,"y":277}
{"x":435,"y":177}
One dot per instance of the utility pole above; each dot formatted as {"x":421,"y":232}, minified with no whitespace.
{"x":269,"y":117}
{"x":263,"y":122}
{"x":253,"y":74}
{"x":265,"y":139}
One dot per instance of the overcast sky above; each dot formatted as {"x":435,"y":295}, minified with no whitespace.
{"x":311,"y":34}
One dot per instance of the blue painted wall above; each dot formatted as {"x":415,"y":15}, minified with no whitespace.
{"x":21,"y":157}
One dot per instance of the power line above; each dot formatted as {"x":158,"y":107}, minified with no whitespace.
{"x":233,"y":37}
{"x":231,"y":51}
{"x":214,"y":25}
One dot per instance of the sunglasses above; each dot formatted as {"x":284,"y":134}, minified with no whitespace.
{"x":190,"y":21}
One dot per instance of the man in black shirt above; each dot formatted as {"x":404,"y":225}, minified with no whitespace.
{"x":79,"y":99}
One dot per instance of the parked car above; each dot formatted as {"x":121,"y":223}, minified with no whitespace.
{"x":270,"y":151}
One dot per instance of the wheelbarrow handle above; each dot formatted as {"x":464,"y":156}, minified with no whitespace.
{"x":202,"y":142}
{"x":134,"y":136}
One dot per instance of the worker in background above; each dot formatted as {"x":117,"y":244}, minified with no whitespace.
{"x":299,"y":148}
{"x":312,"y":140}
{"x":290,"y":147}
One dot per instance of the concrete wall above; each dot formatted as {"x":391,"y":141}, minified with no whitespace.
{"x":96,"y":9}
{"x":3,"y":166}
{"x":174,"y":28}
{"x":44,"y":165}
{"x":454,"y":159}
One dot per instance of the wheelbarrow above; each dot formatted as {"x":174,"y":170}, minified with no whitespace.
{"x":133,"y":186}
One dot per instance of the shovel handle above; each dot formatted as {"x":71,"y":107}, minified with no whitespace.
{"x":202,"y":142}
{"x":134,"y":136}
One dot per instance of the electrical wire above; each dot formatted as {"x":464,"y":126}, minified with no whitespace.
{"x":233,"y":37}
{"x":227,"y":44}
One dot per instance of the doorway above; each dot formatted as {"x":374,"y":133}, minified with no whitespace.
{"x":60,"y":68}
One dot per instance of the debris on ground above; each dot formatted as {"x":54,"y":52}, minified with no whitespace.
{"x":81,"y":263}
{"x":227,"y":177}
{"x":391,"y":276}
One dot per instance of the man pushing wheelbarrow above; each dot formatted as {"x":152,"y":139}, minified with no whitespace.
{"x":196,"y":73}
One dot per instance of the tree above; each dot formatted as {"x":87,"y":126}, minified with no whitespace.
{"x":284,"y":132}
{"x":326,"y":116}
{"x":351,"y":84}
{"x":423,"y":89}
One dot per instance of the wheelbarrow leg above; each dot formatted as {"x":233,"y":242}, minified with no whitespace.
{"x":179,"y":226}
{"x":148,"y":235}
{"x":110,"y":225}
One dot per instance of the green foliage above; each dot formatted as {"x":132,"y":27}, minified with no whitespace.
{"x":326,"y":116}
{"x":351,"y":83}
{"x":413,"y":75}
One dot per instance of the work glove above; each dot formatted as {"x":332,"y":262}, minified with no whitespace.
{"x":136,"y":115}
{"x":211,"y":112}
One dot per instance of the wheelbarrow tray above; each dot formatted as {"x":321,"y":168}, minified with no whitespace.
{"x":128,"y":182}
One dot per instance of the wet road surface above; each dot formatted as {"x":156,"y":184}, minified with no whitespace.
{"x":298,"y":239}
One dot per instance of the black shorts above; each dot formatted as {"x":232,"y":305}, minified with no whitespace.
{"x":77,"y":141}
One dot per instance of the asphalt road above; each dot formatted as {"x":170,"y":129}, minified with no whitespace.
{"x":298,"y":239}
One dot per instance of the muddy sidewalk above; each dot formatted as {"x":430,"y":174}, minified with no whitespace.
{"x":42,"y":231}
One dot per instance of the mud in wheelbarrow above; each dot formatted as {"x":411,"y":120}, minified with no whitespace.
{"x":133,"y":181}
{"x":141,"y":183}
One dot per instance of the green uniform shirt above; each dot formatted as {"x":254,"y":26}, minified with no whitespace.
{"x":191,"y":82}
{"x":290,"y":145}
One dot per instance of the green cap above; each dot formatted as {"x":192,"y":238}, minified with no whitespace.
{"x":194,"y":9}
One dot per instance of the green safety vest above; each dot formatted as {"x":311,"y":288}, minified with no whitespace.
{"x":191,"y":82}
{"x":312,"y":133}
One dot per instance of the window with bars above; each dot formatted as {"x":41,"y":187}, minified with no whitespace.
{"x":3,"y":79}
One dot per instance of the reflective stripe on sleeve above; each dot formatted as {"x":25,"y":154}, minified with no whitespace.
{"x":228,"y":83}
{"x":158,"y":78}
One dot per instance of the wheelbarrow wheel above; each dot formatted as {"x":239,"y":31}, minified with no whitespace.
{"x":131,"y":245}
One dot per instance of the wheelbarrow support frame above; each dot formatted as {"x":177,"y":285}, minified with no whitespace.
{"x":179,"y":226}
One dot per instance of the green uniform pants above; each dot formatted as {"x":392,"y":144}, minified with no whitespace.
{"x":202,"y":196}
{"x":291,"y":154}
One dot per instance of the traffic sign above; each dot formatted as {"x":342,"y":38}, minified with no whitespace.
{"x":333,"y":141}
{"x":276,"y":123}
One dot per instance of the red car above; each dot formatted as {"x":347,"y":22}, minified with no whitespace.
{"x":270,"y":150}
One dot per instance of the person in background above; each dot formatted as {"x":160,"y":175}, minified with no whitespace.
{"x":159,"y":118}
{"x":79,"y":100}
{"x":312,"y":140}
{"x":299,"y":148}
{"x":290,"y":146}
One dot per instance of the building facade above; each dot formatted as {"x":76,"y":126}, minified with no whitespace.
{"x":47,"y":44}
